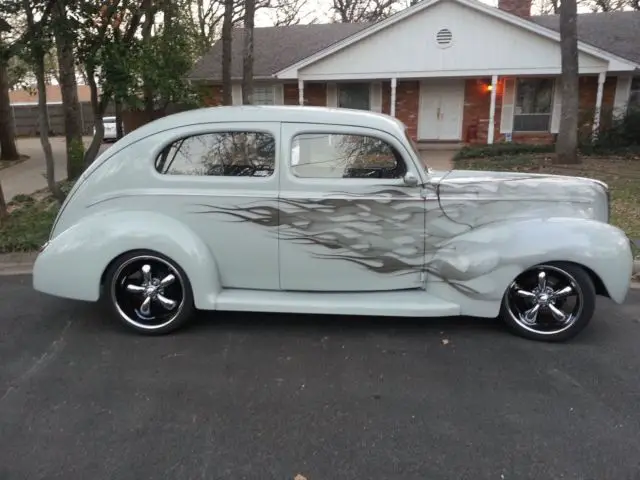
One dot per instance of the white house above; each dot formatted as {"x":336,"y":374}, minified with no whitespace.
{"x":451,"y":70}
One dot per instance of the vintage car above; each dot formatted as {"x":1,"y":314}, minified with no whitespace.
{"x":327,"y":211}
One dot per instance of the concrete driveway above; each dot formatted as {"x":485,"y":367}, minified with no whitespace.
{"x":247,"y":396}
{"x":29,"y":176}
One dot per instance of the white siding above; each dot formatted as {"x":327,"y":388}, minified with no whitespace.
{"x":236,"y":94}
{"x":508,"y":99}
{"x":621,"y":98}
{"x":557,"y":106}
{"x":332,"y":95}
{"x":409,"y":48}
{"x":375,"y":97}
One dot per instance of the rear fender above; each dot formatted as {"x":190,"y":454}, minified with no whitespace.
{"x":475,"y":268}
{"x":74,"y":261}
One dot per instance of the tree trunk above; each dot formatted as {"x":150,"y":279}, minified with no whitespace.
{"x":43,"y":123}
{"x":8,"y":149}
{"x":4,"y":213}
{"x":247,"y":63}
{"x":119,"y":129}
{"x":567,"y":145}
{"x":147,"y":88}
{"x":69,"y":92}
{"x":226,"y":52}
{"x":98,"y":107}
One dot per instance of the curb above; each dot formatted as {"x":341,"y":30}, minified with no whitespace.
{"x":22,"y":264}
{"x":17,"y":263}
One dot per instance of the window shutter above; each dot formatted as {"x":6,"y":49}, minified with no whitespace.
{"x":279,"y":94}
{"x":508,"y":99}
{"x":236,"y":94}
{"x":332,"y":95}
{"x":621,"y":99}
{"x":375,"y":99}
{"x":557,"y":106}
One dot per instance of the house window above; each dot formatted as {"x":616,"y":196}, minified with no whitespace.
{"x":354,"y":95}
{"x":264,"y":95}
{"x":634,"y":96}
{"x":533,"y":105}
{"x":228,"y":154}
{"x":328,"y":155}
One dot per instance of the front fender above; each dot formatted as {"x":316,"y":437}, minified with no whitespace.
{"x":475,"y":268}
{"x":74,"y":261}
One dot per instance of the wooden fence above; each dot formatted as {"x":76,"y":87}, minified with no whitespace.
{"x":25,"y":118}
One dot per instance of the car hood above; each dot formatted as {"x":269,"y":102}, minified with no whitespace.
{"x":508,"y":194}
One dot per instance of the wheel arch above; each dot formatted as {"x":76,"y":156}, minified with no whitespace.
{"x":85,"y":251}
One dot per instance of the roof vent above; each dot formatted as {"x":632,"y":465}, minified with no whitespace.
{"x":444,"y":37}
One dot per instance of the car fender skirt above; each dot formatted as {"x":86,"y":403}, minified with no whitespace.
{"x":73,"y":262}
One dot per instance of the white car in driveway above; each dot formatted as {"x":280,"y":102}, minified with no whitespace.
{"x":110,"y":132}
{"x":329,"y":211}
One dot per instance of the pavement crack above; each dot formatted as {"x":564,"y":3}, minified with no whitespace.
{"x":45,"y":359}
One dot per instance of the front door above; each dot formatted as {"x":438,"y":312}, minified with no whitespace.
{"x":441,"y":105}
{"x":347,"y":220}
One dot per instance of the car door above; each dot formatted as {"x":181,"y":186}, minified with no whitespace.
{"x":222,"y":181}
{"x":348,"y":220}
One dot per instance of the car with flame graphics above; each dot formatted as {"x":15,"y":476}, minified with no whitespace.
{"x":329,"y":211}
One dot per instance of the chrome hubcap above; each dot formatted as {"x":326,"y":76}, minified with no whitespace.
{"x":545,"y":300}
{"x":148,"y":292}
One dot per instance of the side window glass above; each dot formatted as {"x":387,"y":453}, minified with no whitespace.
{"x":229,"y":154}
{"x":325,"y":155}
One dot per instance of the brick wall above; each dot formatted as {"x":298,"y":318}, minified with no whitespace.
{"x":407,"y":105}
{"x":475,"y":116}
{"x":212,"y":95}
{"x":290,"y":91}
{"x":588,"y":91}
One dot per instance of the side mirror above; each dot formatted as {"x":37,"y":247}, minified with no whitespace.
{"x":410,"y":179}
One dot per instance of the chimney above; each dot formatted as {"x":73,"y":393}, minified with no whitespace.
{"x":522,"y":8}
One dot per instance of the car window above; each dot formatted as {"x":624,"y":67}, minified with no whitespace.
{"x":328,"y":155}
{"x":235,"y":154}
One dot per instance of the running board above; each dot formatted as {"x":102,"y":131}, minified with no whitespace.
{"x":406,"y":303}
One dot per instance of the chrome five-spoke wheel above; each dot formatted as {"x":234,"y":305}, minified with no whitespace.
{"x":550,"y":302}
{"x":149,"y":292}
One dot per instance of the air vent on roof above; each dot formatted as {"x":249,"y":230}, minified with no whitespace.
{"x":444,"y":37}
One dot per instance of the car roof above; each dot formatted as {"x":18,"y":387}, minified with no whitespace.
{"x":268,"y":113}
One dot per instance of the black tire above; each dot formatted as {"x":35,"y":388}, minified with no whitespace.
{"x":551,"y":328}
{"x":127,"y":288}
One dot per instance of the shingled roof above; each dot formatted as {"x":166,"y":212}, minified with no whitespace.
{"x":278,"y":47}
{"x":274,"y":48}
{"x":615,"y":32}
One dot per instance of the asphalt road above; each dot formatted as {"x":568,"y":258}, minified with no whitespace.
{"x":274,"y":396}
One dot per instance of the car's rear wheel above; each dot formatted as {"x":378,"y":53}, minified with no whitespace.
{"x":550,"y":302}
{"x":149,"y":292}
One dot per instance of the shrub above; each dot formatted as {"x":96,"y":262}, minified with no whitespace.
{"x":502,"y":150}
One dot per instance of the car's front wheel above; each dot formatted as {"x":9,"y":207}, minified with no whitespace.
{"x":550,"y":302}
{"x":149,"y":292}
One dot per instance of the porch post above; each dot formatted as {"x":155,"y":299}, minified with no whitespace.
{"x":394,"y":84}
{"x":596,"y":116}
{"x":492,"y":109}
{"x":301,"y":92}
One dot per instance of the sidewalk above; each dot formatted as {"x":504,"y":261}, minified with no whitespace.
{"x":29,"y":176}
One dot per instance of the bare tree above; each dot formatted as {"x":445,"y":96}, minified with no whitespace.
{"x":64,"y":36}
{"x":567,"y":145}
{"x":37,"y":52}
{"x":226,"y":52}
{"x":8,"y":149}
{"x":289,"y":12}
{"x":546,"y":7}
{"x":247,"y":57}
{"x":356,"y":11}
